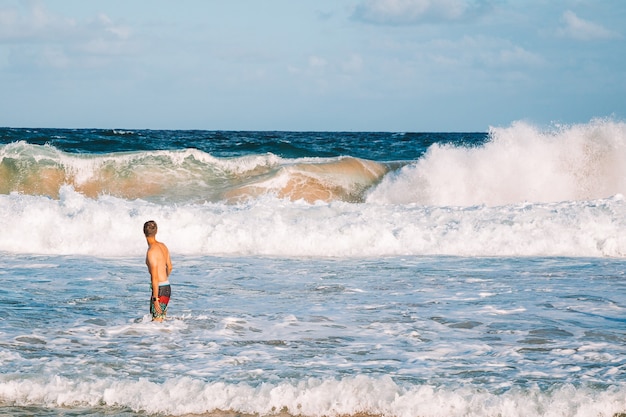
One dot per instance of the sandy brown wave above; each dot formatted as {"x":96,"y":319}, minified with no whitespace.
{"x":344,"y":179}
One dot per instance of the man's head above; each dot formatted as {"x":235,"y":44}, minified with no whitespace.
{"x":150,"y":228}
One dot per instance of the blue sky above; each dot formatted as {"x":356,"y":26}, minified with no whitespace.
{"x":353,"y":65}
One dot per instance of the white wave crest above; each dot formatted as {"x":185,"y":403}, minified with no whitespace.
{"x":110,"y":226}
{"x":348,"y":396}
{"x":520,"y":163}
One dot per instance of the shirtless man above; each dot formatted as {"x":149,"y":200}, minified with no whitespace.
{"x":160,"y":266}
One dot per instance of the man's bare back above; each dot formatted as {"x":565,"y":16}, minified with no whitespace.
{"x":158,"y":261}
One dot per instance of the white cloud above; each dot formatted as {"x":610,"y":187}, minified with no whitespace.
{"x":57,"y":41}
{"x":35,"y":24}
{"x":315,"y":66}
{"x":395,"y":12}
{"x":317,"y":62}
{"x":577,"y":28}
{"x":516,"y":56}
{"x":119,"y":31}
{"x":478,"y":52}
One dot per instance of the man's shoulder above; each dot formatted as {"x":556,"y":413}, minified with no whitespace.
{"x":157,"y":248}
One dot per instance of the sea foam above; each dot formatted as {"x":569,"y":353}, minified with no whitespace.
{"x":314,"y":397}
{"x":520,"y":163}
{"x":525,"y":192}
{"x":109,"y":226}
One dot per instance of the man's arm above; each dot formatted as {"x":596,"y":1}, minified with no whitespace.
{"x":168,"y":264}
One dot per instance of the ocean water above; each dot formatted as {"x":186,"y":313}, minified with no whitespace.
{"x":315,"y":273}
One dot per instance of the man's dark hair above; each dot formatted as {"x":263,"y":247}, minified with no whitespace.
{"x":150,"y":228}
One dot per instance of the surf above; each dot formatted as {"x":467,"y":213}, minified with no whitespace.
{"x":525,"y":191}
{"x":517,"y":164}
{"x":267,"y":226}
{"x":349,"y":396}
{"x":187,"y":175}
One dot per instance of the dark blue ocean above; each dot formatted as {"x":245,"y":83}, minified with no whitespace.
{"x":315,"y":273}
